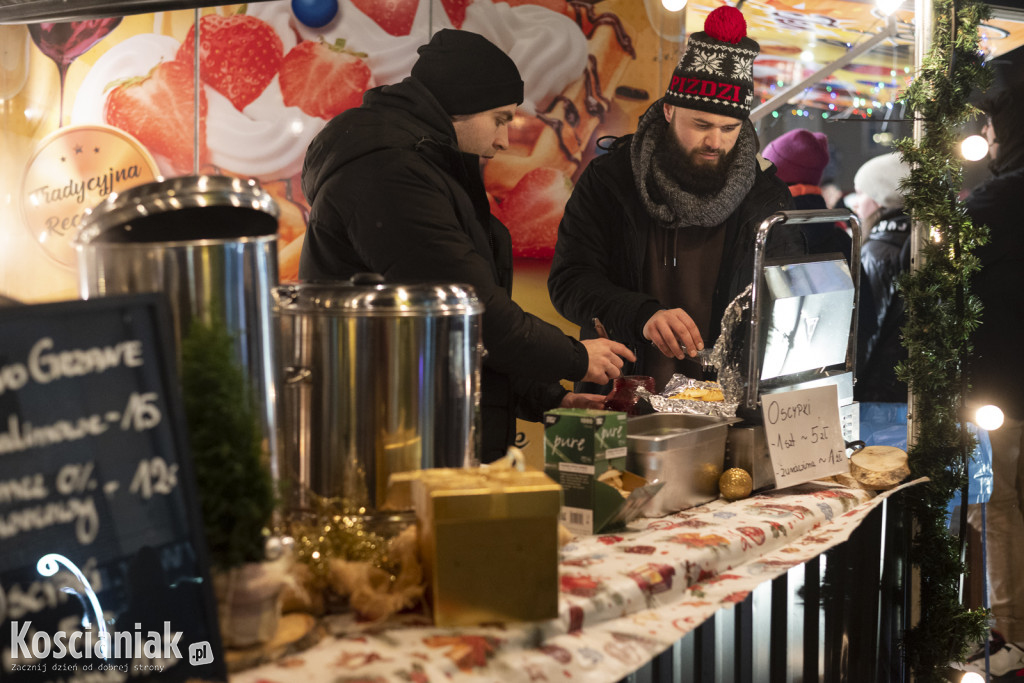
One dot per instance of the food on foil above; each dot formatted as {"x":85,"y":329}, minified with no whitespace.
{"x":684,"y":394}
{"x":710,"y":393}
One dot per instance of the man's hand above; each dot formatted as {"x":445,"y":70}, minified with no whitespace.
{"x":571,"y":400}
{"x":604,"y":362}
{"x":671,"y":330}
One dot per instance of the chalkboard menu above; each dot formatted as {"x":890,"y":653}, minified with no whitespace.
{"x":103,"y":574}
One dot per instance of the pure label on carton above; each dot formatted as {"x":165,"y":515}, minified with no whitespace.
{"x":580,"y":446}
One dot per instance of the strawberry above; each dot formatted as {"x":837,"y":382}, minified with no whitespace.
{"x":323,"y":79}
{"x":532,"y":211}
{"x":456,"y":10}
{"x":238,"y":55}
{"x":158,"y":109}
{"x":394,"y":16}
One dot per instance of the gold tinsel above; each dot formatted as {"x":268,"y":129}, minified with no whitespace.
{"x":735,"y":483}
{"x":335,"y":532}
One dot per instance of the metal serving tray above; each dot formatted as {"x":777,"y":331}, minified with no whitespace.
{"x":686,"y":452}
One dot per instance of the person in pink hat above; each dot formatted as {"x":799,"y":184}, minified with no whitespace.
{"x":800,"y":157}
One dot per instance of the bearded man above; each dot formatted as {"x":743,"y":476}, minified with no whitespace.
{"x":658,"y":235}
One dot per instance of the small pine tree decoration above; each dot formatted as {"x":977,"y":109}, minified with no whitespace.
{"x":235,"y":488}
{"x":941,"y":314}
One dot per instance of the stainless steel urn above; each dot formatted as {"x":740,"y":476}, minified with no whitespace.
{"x":375,"y":379}
{"x":210,"y":244}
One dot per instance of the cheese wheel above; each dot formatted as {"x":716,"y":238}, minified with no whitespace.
{"x":879,"y":467}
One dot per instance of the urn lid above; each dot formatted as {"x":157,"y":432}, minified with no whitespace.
{"x":367,"y":295}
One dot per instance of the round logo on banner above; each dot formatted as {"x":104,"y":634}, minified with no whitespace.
{"x":72,"y":170}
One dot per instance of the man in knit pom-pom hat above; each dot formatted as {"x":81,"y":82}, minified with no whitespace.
{"x":394,"y":188}
{"x":658,"y":236}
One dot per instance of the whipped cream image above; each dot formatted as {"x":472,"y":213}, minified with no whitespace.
{"x":389,"y":57}
{"x":549,"y":48}
{"x":268,"y":140}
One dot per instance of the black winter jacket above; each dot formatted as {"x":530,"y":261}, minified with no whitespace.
{"x":885,"y":255}
{"x":597,"y":269}
{"x":391,"y":193}
{"x":822,"y":238}
{"x":997,"y":370}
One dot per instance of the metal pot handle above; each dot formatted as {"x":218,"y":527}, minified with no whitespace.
{"x":297,"y":374}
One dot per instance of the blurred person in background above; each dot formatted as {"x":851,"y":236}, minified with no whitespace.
{"x":885,"y":255}
{"x":996,"y":371}
{"x":800,"y":157}
{"x":832,"y":194}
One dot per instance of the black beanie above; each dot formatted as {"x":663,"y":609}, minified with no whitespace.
{"x":467,"y":73}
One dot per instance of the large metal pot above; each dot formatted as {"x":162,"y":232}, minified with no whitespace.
{"x":376,"y":379}
{"x":210,"y":244}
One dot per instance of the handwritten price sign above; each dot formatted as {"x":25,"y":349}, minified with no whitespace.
{"x":805,"y":439}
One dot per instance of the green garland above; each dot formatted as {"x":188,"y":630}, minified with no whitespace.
{"x":941,"y":315}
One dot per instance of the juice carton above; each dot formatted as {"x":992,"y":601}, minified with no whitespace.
{"x":584,"y":449}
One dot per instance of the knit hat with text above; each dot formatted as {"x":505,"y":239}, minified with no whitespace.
{"x":467,"y":73}
{"x":716,"y":72}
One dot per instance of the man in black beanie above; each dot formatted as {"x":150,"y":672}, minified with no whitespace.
{"x":658,"y":235}
{"x":395,"y":188}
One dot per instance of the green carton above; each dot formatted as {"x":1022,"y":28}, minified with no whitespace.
{"x":579,"y":446}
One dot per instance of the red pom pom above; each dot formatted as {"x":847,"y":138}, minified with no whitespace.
{"x":726,"y":24}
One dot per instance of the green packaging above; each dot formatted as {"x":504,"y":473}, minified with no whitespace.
{"x":580,"y":446}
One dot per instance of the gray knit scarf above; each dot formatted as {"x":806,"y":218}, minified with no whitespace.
{"x":674,"y":207}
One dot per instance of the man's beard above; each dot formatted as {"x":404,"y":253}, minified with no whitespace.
{"x":688,"y":171}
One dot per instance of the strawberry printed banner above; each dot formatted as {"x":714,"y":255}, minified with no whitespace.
{"x":624,"y":598}
{"x":272,"y":73}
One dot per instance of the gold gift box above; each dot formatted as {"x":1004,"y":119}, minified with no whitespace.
{"x":489,"y":543}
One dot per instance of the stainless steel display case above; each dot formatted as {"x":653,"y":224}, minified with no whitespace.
{"x":802,"y":334}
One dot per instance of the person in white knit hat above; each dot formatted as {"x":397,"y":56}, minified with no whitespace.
{"x":885,"y":254}
{"x":877,"y":188}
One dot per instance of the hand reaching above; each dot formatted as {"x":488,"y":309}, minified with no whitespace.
{"x":605,"y":359}
{"x":674,"y":333}
{"x":572,"y":400}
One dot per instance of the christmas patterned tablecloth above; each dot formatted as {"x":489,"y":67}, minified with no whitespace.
{"x":625,"y":597}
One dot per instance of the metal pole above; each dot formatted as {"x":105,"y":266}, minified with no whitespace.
{"x":783,"y":96}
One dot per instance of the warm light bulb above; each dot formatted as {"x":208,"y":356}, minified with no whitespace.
{"x":673,"y":5}
{"x":887,"y":7}
{"x":974,"y":147}
{"x":972,"y":677}
{"x":806,"y":56}
{"x":989,"y":417}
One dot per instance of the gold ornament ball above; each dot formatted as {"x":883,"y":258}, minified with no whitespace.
{"x":735,"y":483}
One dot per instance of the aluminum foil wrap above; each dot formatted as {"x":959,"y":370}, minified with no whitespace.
{"x":730,"y":353}
{"x":677,"y":383}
